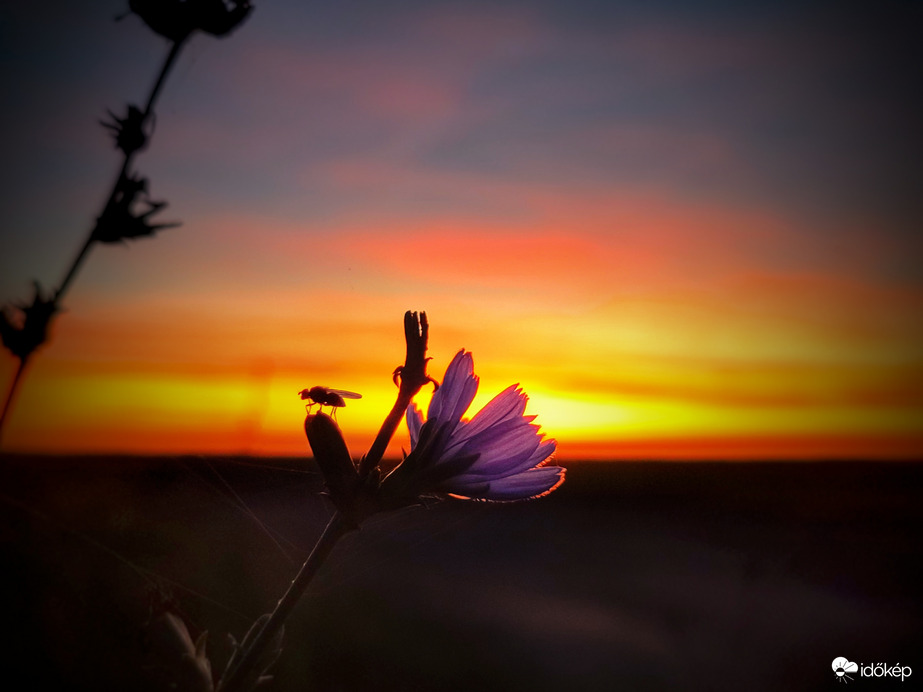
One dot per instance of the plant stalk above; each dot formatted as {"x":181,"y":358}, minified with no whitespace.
{"x":388,"y":428}
{"x":88,"y":243}
{"x":413,"y":376}
{"x":336,"y":528}
{"x":126,"y":164}
{"x":11,"y":394}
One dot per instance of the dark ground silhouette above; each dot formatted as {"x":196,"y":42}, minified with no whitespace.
{"x":636,"y":576}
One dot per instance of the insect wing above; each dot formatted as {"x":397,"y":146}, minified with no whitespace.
{"x":345,"y":394}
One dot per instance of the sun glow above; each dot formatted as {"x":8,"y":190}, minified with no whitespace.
{"x":588,"y":392}
{"x":612,"y":243}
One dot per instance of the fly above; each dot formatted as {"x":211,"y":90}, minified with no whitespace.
{"x":325,"y":396}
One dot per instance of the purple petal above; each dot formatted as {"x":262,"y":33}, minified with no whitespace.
{"x":414,"y":423}
{"x":508,"y":447}
{"x":447,"y":469}
{"x":510,"y":403}
{"x":530,"y":456}
{"x":511,"y":444}
{"x":543,"y":451}
{"x":463,"y":436}
{"x":457,"y":391}
{"x":523,"y":486}
{"x":497,"y":455}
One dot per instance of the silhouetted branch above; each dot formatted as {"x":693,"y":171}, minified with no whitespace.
{"x":22,"y":335}
{"x":136,"y":119}
{"x":11,"y":392}
{"x":120,"y":219}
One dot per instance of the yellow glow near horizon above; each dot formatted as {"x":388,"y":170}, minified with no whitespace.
{"x":128,"y":412}
{"x":607,"y":362}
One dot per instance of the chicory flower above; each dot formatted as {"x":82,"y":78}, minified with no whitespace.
{"x":499,"y":454}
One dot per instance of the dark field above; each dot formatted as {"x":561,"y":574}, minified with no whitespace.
{"x":633,"y":576}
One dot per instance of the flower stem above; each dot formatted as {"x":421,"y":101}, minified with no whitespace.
{"x":75,"y":265}
{"x":164,"y":71}
{"x":11,"y":394}
{"x":126,"y":164}
{"x":413,"y":376}
{"x":336,"y":528}
{"x":88,"y":243}
{"x":388,"y":428}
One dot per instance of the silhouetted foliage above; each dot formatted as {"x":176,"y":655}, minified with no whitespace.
{"x":128,"y":210}
{"x":177,"y":19}
{"x":27,"y":330}
{"x":128,"y":132}
{"x":120,"y":220}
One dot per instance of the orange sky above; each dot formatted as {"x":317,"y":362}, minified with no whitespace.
{"x":639,"y":221}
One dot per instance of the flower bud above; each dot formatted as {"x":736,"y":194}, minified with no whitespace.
{"x":332,"y":457}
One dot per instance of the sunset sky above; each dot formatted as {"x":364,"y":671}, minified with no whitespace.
{"x":688,"y":230}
